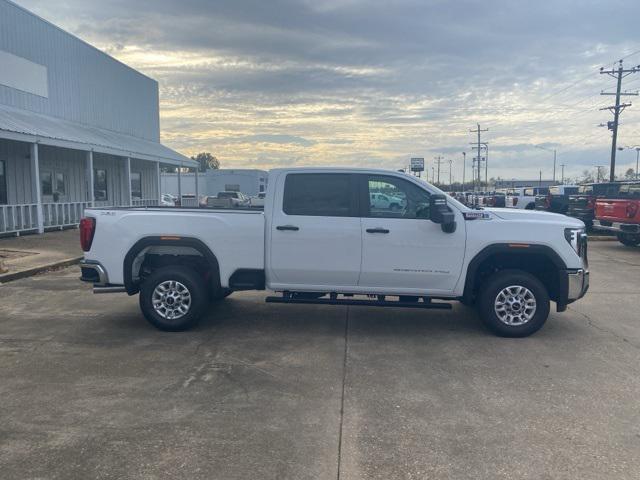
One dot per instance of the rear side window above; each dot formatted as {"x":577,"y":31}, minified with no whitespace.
{"x":318,"y":194}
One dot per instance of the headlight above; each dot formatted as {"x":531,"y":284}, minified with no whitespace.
{"x":576,"y":238}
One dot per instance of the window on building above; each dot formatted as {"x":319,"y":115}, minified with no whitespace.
{"x":3,"y":183}
{"x":327,"y":195}
{"x":46,"y":179}
{"x":136,"y":185}
{"x":61,"y":184}
{"x":100,"y":191}
{"x":261,"y":188}
{"x":392,"y":197}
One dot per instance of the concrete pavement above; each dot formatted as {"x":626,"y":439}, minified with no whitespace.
{"x":31,"y":254}
{"x":89,"y":390}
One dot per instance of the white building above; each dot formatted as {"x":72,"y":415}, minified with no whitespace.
{"x":77,"y":127}
{"x":248,"y":181}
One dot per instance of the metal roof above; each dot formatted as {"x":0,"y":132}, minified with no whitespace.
{"x":27,"y":126}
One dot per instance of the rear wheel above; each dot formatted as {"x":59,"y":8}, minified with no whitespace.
{"x":629,"y":239}
{"x":513,"y":303}
{"x":173,"y":298}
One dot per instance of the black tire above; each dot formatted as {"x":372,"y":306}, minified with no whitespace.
{"x":531,"y":206}
{"x":192,"y":283}
{"x":492,"y":289}
{"x":629,"y":239}
{"x":394,"y":207}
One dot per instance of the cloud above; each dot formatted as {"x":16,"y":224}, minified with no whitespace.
{"x":372,"y":82}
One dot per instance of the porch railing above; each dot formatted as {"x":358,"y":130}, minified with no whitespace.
{"x":63,"y":214}
{"x":145,"y":202}
{"x":18,"y":218}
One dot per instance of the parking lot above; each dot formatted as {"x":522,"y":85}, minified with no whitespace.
{"x":89,"y":390}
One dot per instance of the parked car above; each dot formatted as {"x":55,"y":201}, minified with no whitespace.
{"x":495,"y":199}
{"x":381,"y":201}
{"x":229,"y":200}
{"x":258,"y":200}
{"x":524,"y":197}
{"x":582,"y":204}
{"x":620,"y":215}
{"x":317,"y":243}
{"x":557,"y":199}
{"x":168,"y":200}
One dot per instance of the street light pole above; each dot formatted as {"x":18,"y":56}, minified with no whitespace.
{"x":562,"y":165}
{"x":554,"y":158}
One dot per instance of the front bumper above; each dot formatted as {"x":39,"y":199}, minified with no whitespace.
{"x":578,"y":284}
{"x":617,"y":227}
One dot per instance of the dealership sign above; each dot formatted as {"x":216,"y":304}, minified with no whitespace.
{"x":417,"y":164}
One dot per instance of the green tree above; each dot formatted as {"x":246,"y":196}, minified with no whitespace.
{"x":630,"y":174}
{"x":206,"y":161}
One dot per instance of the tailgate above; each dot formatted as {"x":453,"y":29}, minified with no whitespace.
{"x":618,"y":210}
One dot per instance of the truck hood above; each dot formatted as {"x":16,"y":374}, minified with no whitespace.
{"x":535,"y":216}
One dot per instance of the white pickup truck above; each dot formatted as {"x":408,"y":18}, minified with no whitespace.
{"x":320,"y":241}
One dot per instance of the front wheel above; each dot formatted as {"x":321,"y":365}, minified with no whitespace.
{"x":513,"y":303}
{"x":173,"y":298}
{"x":629,"y":239}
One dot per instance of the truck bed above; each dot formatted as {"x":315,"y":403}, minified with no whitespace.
{"x":235,"y":235}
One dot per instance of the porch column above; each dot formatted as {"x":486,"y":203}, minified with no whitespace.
{"x":159,"y":179}
{"x":196,"y":177}
{"x":127,"y":180}
{"x":35,"y":186}
{"x":90,"y":193}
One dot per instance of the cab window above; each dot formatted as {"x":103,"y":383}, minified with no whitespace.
{"x":319,"y":194}
{"x":393,"y":197}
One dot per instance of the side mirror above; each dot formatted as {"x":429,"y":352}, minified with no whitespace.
{"x":441,"y":214}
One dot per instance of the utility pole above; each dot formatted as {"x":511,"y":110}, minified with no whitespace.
{"x":438,"y":161}
{"x":464,"y":167}
{"x":450,"y":170}
{"x":478,"y":131}
{"x":562,"y":165}
{"x":617,"y":109}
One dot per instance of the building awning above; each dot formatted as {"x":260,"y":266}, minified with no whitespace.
{"x":27,"y":126}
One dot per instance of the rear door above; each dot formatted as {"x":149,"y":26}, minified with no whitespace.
{"x":315,"y":241}
{"x":403,"y":251}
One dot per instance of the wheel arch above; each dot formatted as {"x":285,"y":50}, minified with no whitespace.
{"x":539,"y":260}
{"x":132,"y":287}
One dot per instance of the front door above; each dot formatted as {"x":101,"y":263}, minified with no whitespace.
{"x":315,"y":233}
{"x":402,"y":250}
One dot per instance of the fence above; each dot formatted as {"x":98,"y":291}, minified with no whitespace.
{"x":18,"y":218}
{"x":58,"y":215}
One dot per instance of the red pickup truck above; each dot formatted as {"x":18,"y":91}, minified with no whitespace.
{"x":621,"y":215}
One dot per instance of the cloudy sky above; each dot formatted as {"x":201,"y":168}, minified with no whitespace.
{"x":266,"y":83}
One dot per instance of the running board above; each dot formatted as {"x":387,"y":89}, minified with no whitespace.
{"x":363,"y":303}
{"x":109,"y":289}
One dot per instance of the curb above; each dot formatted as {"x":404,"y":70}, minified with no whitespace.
{"x":9,"y":277}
